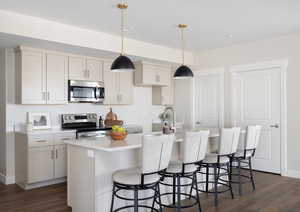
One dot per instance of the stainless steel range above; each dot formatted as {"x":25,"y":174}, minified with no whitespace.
{"x":85,"y":125}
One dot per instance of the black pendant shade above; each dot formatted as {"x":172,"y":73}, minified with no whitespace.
{"x":122,"y":64}
{"x":183,"y":72}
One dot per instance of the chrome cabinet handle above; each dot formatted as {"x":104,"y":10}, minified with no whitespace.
{"x":275,"y":126}
{"x":52,"y":154}
{"x":65,"y":139}
{"x":41,"y":141}
{"x":56,"y":152}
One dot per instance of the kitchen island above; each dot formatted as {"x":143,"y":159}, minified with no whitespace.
{"x":91,"y":163}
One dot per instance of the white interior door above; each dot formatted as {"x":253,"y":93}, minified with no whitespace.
{"x":209,"y":100}
{"x":256,"y":100}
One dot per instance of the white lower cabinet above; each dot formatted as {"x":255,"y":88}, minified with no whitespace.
{"x":60,"y":165}
{"x":40,"y":164}
{"x":41,"y":159}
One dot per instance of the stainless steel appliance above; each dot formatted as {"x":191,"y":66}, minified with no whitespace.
{"x":85,"y":125}
{"x":85,"y":91}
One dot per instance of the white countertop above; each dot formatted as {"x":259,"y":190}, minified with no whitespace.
{"x":133,"y":141}
{"x":48,"y":131}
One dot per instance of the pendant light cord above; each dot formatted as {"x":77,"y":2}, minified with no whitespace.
{"x":182,"y":40}
{"x":122,"y":31}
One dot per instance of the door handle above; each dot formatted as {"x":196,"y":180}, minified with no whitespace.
{"x":274,"y":125}
{"x":56,"y":153}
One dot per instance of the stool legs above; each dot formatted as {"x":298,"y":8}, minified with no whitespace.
{"x":112,"y":199}
{"x":215,"y":185}
{"x":197,"y":193}
{"x":207,"y":178}
{"x":178,"y":208}
{"x":251,"y":174}
{"x":239,"y":176}
{"x":136,"y":196}
{"x":174,"y":190}
{"x":229,"y":170}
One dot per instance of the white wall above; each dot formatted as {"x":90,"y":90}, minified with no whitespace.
{"x":260,"y":51}
{"x":2,"y":116}
{"x":141,"y":112}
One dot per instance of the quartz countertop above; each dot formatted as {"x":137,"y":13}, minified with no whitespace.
{"x":132,"y":141}
{"x":47,"y":131}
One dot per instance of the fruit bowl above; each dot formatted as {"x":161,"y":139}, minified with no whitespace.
{"x":118,"y":135}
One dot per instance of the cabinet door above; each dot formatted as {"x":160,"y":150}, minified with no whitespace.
{"x":111,"y":84}
{"x":94,"y":69}
{"x":77,"y":70}
{"x":33,"y":77}
{"x":163,"y":77}
{"x":60,"y":165}
{"x":125,"y":88}
{"x":57,"y":79}
{"x":40,"y":164}
{"x":149,"y":74}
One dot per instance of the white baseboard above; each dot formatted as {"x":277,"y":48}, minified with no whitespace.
{"x":292,"y":173}
{"x":7,"y":179}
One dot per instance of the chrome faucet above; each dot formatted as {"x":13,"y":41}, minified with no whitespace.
{"x":164,"y":115}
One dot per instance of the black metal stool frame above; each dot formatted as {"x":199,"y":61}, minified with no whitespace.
{"x":248,"y":164}
{"x":136,"y":188}
{"x":216,"y":173}
{"x":176,"y":187}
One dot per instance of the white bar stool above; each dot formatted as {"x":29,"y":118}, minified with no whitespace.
{"x":156,"y":154}
{"x":193,"y":150}
{"x":243,"y":156}
{"x":228,"y":146}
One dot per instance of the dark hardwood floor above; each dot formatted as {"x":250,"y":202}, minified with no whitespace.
{"x":274,"y":194}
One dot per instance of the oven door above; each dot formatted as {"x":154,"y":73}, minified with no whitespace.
{"x":81,"y":91}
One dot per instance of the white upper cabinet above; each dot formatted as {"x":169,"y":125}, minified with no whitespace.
{"x":147,"y":74}
{"x":164,"y":95}
{"x":118,"y":86}
{"x":57,"y":79}
{"x":77,"y":69}
{"x":41,"y":77}
{"x":94,"y":69}
{"x":85,"y":68}
{"x":31,"y":77}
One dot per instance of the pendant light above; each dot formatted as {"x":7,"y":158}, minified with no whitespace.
{"x":122,"y":63}
{"x":183,"y":71}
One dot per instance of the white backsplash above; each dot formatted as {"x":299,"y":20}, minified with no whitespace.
{"x":142,"y":112}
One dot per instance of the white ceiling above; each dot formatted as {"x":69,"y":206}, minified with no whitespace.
{"x":212,"y":23}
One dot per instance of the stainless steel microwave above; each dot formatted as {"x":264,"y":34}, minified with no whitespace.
{"x":86,"y":91}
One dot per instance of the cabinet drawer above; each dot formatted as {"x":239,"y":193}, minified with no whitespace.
{"x":40,"y":140}
{"x":61,"y":138}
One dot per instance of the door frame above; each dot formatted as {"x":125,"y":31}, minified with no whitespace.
{"x":206,"y":72}
{"x":282,"y":64}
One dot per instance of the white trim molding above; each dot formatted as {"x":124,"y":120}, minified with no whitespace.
{"x":7,"y":180}
{"x":282,"y":65}
{"x":214,"y":71}
{"x":292,"y":173}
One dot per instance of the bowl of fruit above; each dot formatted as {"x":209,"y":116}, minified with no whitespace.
{"x":118,"y":133}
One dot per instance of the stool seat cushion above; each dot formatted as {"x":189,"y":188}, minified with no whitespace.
{"x":213,"y":158}
{"x":176,"y":167}
{"x":132,"y":176}
{"x":240,"y":153}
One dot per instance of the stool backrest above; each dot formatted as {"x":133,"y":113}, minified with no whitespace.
{"x":156,"y":152}
{"x":194,"y":146}
{"x":229,"y":140}
{"x":252,"y":138}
